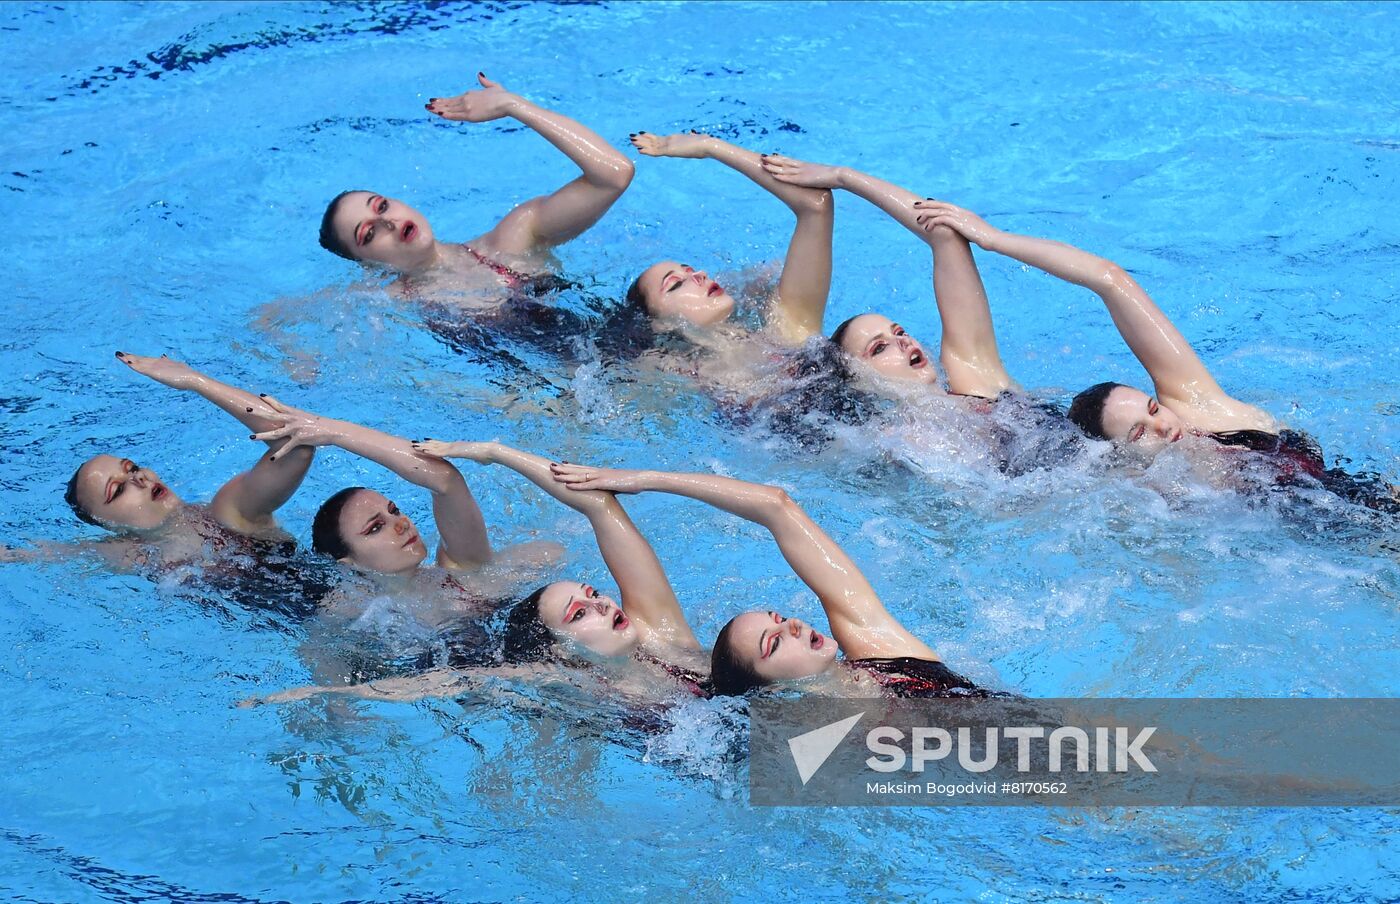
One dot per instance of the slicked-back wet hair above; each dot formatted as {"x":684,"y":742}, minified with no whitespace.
{"x":527,"y":637}
{"x":329,"y":240}
{"x":1086,"y":411}
{"x":635,"y":299}
{"x":838,"y":335}
{"x":730,"y":675}
{"x":70,"y":496}
{"x":326,"y":537}
{"x":626,"y":330}
{"x":820,"y":393}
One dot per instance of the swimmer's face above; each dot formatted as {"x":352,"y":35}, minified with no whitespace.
{"x":120,"y":493}
{"x":779,"y":648}
{"x":580,"y":614}
{"x":380,"y":230}
{"x":888,"y":349}
{"x":1133,"y":417}
{"x":680,"y":292}
{"x":379,"y":536}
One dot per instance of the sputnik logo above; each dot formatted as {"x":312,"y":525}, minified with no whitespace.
{"x":811,"y":750}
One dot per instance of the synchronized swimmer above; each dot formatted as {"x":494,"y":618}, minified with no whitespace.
{"x":383,"y":232}
{"x":642,"y":639}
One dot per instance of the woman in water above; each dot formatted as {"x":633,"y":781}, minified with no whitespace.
{"x":1037,"y":436}
{"x":643,"y":642}
{"x":373,"y":229}
{"x":1188,"y":401}
{"x":366,"y":530}
{"x":672,"y":291}
{"x":645,"y":625}
{"x":117,"y":494}
{"x":420,"y":614}
{"x":969,"y":355}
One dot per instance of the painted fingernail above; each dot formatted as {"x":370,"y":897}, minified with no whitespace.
{"x":262,"y":395}
{"x":272,"y":458}
{"x":119,"y":354}
{"x":481,"y":74}
{"x":252,"y":435}
{"x":250,"y":411}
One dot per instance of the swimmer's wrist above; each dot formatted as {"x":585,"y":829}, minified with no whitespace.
{"x":994,"y":240}
{"x":517,"y":107}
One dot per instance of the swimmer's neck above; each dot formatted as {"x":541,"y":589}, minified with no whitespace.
{"x":197,"y":520}
{"x":447,"y":258}
{"x":392,"y":580}
{"x":441,"y":258}
{"x":188,"y":518}
{"x":840,"y":679}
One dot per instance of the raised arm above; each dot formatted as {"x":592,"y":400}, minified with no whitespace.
{"x":646,"y":591}
{"x":859,"y":621}
{"x":805,"y":283}
{"x":969,"y":354}
{"x":460,"y":523}
{"x":247,"y":502}
{"x":248,"y":409}
{"x":1176,"y":370}
{"x":554,"y":218}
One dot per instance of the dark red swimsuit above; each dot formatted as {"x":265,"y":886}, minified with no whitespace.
{"x":906,"y":676}
{"x":1298,"y":459}
{"x":514,"y":278}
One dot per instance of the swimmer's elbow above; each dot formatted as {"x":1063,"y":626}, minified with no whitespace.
{"x":780,"y":502}
{"x":442,"y":478}
{"x":618,"y":176}
{"x":817,"y":202}
{"x":1109,"y":277}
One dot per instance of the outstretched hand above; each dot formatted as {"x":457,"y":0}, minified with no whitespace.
{"x":690,"y":144}
{"x":585,"y":477}
{"x":164,"y":370}
{"x":297,"y":427}
{"x":964,"y":222}
{"x":798,"y":172}
{"x":436,"y":448}
{"x":491,"y":102}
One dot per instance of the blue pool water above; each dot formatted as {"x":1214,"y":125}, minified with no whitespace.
{"x":166,"y":169}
